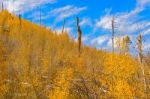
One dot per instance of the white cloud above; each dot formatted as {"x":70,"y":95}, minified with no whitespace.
{"x":143,"y":2}
{"x":23,"y":5}
{"x":146,"y":32}
{"x":85,"y":38}
{"x":146,"y":46}
{"x":66,"y":11}
{"x":125,"y":22}
{"x":99,"y":40}
{"x":59,"y":30}
{"x":85,"y":22}
{"x":104,"y":22}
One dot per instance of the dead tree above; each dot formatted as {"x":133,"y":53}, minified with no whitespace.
{"x":63,"y":27}
{"x":20,"y":23}
{"x":140,"y":54}
{"x":79,"y":35}
{"x":40,"y":16}
{"x":2,"y":6}
{"x":139,"y":43}
{"x":113,"y":32}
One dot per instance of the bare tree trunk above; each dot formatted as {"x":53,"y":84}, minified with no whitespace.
{"x":40,"y":16}
{"x":2,"y":6}
{"x":79,"y":36}
{"x":139,"y":41}
{"x":63,"y":26}
{"x":20,"y":23}
{"x":113,"y":32}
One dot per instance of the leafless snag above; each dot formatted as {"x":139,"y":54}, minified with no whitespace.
{"x":79,"y":35}
{"x":40,"y":16}
{"x":2,"y":6}
{"x":63,"y":26}
{"x":140,"y":54}
{"x":113,"y":32}
{"x":139,"y":43}
{"x":20,"y":23}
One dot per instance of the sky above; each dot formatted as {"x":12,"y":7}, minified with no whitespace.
{"x":132,"y":17}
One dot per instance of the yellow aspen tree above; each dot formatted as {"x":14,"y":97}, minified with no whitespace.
{"x":126,"y":44}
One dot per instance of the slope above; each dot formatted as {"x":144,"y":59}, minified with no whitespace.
{"x":37,"y":63}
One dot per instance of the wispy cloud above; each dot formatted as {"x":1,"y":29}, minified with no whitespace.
{"x":66,"y":11}
{"x":146,"y":32}
{"x":99,"y":40}
{"x":127,"y":23}
{"x":143,"y":3}
{"x":146,"y":46}
{"x":58,"y":30}
{"x":86,"y":22}
{"x":20,"y":6}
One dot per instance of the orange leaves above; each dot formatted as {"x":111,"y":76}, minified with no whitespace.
{"x":123,"y":89}
{"x":62,"y":84}
{"x":120,"y":65}
{"x":49,"y":62}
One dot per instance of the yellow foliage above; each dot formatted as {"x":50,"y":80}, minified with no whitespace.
{"x":122,"y":66}
{"x":62,"y":84}
{"x":123,"y":90}
{"x":37,"y":63}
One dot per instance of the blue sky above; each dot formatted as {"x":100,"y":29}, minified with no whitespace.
{"x":131,"y":18}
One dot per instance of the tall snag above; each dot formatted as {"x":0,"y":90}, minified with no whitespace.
{"x":63,"y":27}
{"x":79,"y":36}
{"x":2,"y":6}
{"x":20,"y":23}
{"x":40,"y":15}
{"x":140,"y":54}
{"x":113,"y":32}
{"x":139,"y":43}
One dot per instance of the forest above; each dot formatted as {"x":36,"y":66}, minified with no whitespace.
{"x":38,"y":63}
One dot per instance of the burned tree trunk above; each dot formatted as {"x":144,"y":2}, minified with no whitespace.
{"x":20,"y":23}
{"x":2,"y":6}
{"x":139,"y":42}
{"x":79,"y":36}
{"x":140,"y":54}
{"x":63,"y":27}
{"x":113,"y":32}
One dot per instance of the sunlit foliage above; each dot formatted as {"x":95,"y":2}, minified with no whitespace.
{"x":36,"y":63}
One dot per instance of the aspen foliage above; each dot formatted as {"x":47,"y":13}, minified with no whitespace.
{"x":123,"y":44}
{"x":37,"y":63}
{"x":63,"y":83}
{"x":117,"y":65}
{"x":123,"y":89}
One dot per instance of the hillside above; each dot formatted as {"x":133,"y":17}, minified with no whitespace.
{"x":37,"y":63}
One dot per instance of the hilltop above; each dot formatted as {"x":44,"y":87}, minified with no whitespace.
{"x":37,"y":63}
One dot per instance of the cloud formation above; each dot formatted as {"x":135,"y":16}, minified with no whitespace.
{"x":66,"y":11}
{"x":99,"y":40}
{"x":143,"y":3}
{"x":86,"y":22}
{"x":20,"y":6}
{"x":126,"y":23}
